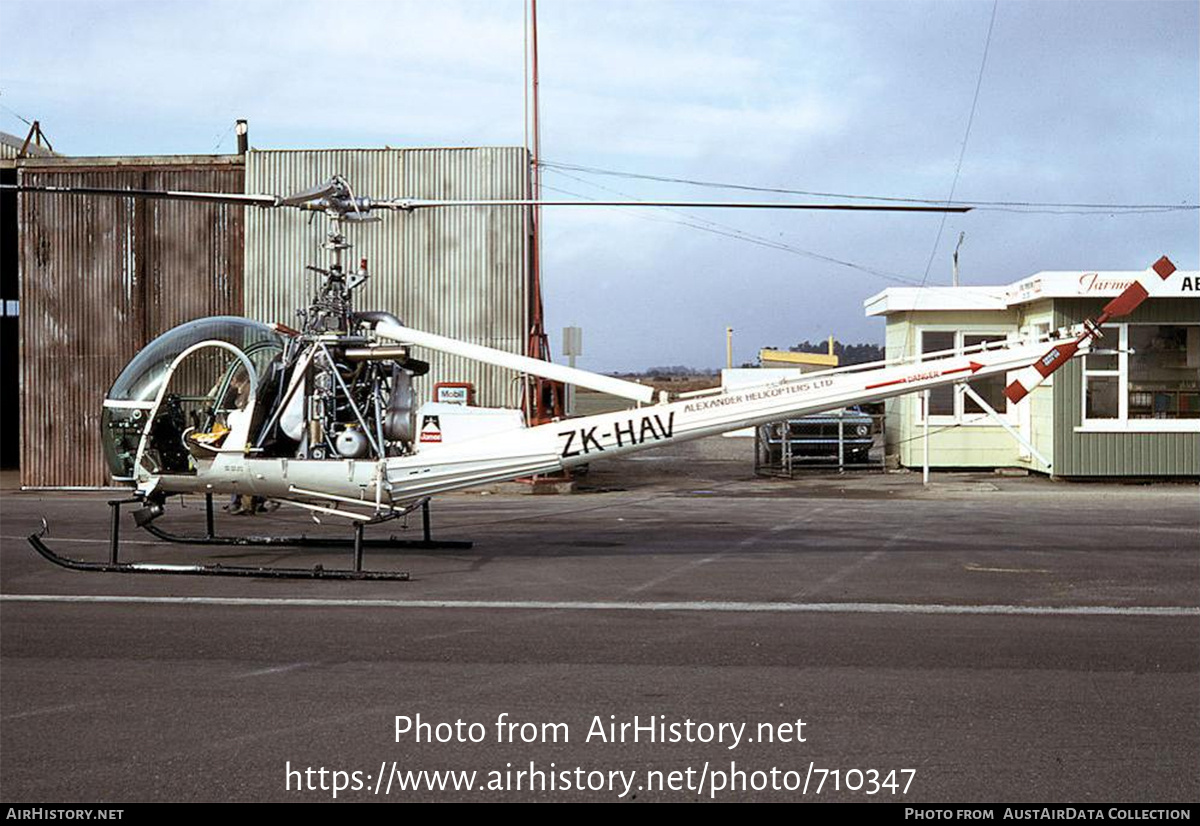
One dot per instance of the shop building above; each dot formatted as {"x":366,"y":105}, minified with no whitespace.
{"x":1129,"y":408}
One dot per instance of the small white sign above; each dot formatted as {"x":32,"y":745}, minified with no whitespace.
{"x":453,"y":395}
{"x":572,"y":341}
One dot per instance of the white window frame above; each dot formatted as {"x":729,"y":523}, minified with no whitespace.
{"x":1124,"y":424}
{"x":960,"y":416}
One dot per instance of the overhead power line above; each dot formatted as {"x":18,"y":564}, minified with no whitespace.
{"x":993,"y":206}
{"x":962,"y":150}
{"x":16,"y":115}
{"x":724,"y":230}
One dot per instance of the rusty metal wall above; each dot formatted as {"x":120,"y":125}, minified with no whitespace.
{"x":461,"y":272}
{"x":101,"y":277}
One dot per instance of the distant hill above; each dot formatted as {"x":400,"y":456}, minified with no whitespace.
{"x":676,"y":378}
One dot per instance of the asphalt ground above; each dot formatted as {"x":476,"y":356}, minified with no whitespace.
{"x":983,"y":640}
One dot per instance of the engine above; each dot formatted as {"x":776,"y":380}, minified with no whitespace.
{"x":343,"y":396}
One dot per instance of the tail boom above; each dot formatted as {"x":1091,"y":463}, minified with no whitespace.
{"x":570,"y":442}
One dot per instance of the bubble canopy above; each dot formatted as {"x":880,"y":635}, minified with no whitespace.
{"x":134,"y":393}
{"x":142,"y":378}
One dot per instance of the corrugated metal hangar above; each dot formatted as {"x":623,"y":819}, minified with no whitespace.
{"x":456,"y":272}
{"x":101,"y":277}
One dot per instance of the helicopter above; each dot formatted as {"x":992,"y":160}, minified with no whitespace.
{"x":323,"y":416}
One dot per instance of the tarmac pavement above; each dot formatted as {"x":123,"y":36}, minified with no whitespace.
{"x":1004,"y":640}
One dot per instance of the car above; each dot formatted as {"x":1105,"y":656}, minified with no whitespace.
{"x":817,"y":437}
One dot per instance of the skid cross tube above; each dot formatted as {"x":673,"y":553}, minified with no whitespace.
{"x":427,"y":542}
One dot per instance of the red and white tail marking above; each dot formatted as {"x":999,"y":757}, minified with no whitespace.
{"x":1058,"y":355}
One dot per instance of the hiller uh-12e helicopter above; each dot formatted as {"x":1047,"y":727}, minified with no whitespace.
{"x":324,"y":417}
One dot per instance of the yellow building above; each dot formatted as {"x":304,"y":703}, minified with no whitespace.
{"x":804,"y":362}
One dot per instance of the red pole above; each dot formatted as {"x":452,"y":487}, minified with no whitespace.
{"x":538,"y":345}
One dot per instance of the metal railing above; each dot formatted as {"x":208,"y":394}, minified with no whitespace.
{"x":819,"y":442}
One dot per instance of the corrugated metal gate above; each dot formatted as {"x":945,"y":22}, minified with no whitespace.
{"x":101,"y":277}
{"x":460,"y":272}
{"x":10,"y":364}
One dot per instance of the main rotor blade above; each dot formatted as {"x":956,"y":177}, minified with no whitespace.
{"x":317,"y":199}
{"x":407,"y":204}
{"x":311,"y":194}
{"x":155,"y":194}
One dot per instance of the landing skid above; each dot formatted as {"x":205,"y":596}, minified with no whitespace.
{"x":427,"y":542}
{"x":358,"y":543}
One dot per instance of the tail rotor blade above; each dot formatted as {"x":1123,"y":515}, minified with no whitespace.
{"x":1036,"y":373}
{"x":1138,"y":291}
{"x":1058,"y":355}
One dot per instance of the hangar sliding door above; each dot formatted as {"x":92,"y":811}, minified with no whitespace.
{"x":100,"y":277}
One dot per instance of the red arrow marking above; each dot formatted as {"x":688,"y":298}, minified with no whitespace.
{"x":973,"y":366}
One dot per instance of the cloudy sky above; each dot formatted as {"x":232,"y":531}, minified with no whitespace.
{"x":1078,"y":103}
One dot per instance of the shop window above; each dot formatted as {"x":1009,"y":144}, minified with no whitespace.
{"x":941,"y":399}
{"x":1144,"y":377}
{"x":989,"y":388}
{"x":946,"y":402}
{"x":1103,"y":397}
{"x":1102,"y":375}
{"x":1164,"y":383}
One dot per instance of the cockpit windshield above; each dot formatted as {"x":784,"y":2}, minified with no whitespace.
{"x":141,"y":379}
{"x":214,"y":374}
